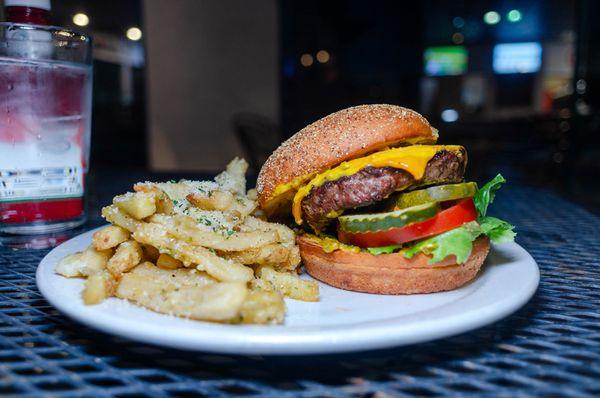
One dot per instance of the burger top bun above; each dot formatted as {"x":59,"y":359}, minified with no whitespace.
{"x":343,"y":135}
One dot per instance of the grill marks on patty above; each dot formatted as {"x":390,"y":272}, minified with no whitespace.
{"x":371,"y":185}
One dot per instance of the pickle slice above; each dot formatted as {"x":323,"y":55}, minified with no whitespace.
{"x":440,"y":193}
{"x":384,"y":221}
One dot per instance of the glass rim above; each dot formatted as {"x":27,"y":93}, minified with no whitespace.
{"x":70,"y":35}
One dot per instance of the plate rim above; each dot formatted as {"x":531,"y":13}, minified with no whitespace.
{"x":309,"y":340}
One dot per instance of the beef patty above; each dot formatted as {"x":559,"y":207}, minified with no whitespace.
{"x":371,"y":185}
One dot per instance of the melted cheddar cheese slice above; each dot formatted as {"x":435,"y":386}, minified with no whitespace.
{"x":412,"y":159}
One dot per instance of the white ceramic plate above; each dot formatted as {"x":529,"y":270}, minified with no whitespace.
{"x":341,"y":322}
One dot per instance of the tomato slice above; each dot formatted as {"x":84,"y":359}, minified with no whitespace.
{"x":450,"y":218}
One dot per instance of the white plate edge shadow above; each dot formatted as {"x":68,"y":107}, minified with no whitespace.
{"x":279,"y":340}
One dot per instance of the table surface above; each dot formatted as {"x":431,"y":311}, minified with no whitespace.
{"x":549,"y":348}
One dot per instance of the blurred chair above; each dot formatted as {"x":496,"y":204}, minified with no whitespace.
{"x":259,"y":136}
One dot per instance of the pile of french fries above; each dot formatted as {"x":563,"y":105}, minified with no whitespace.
{"x":194,"y":249}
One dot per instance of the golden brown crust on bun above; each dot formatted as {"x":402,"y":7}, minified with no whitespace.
{"x":343,"y":135}
{"x":389,"y":273}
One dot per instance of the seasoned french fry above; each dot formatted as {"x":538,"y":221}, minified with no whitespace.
{"x":277,"y":255}
{"x":263,"y":307}
{"x":213,"y":301}
{"x":286,"y":235}
{"x":214,"y":200}
{"x":164,"y":204}
{"x":85,"y":263}
{"x":252,"y":194}
{"x":293,"y":260}
{"x":167,"y":262}
{"x":178,"y":277}
{"x":116,"y":216}
{"x":244,"y":206}
{"x":70,"y":266}
{"x":176,"y":191}
{"x":289,"y":284}
{"x":205,"y":260}
{"x":222,"y":201}
{"x":261,"y":284}
{"x":98,"y":287}
{"x":272,"y":254}
{"x":233,"y":179}
{"x":138,"y":205}
{"x":185,"y":228}
{"x":215,"y":220}
{"x":109,"y":237}
{"x":128,"y":255}
{"x":192,"y":249}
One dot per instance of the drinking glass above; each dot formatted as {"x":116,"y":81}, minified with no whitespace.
{"x":45,"y":122}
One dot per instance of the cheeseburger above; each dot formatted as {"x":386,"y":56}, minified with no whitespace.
{"x":380,"y":207}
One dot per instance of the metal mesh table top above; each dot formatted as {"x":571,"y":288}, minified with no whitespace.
{"x":550,"y":348}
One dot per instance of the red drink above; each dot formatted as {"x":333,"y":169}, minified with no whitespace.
{"x":36,"y":12}
{"x":44,"y":134}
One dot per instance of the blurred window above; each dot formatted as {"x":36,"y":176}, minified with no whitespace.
{"x":517,"y":57}
{"x":446,"y":61}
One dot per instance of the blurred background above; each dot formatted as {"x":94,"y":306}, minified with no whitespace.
{"x":185,"y":85}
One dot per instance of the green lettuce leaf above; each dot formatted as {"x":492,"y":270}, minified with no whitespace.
{"x":458,"y":242}
{"x":485,"y":195}
{"x":499,"y":231}
{"x":383,"y":249}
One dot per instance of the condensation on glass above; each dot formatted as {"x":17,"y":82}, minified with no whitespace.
{"x":45,"y":120}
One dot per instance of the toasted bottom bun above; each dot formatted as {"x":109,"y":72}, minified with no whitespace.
{"x":390,"y":273}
